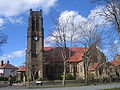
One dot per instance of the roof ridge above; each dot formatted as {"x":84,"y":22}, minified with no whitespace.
{"x":10,"y":65}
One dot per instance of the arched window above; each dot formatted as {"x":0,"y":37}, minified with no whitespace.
{"x":100,"y":71}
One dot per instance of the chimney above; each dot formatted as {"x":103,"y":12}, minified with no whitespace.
{"x":7,"y":61}
{"x":1,"y":63}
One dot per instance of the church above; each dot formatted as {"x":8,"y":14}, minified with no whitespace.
{"x":46,"y":62}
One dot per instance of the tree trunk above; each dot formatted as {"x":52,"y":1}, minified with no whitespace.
{"x":33,"y":78}
{"x":85,"y":71}
{"x":64,"y":74}
{"x":86,"y":76}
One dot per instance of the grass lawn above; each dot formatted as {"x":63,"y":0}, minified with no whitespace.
{"x":111,"y":89}
{"x":55,"y":86}
{"x":107,"y":83}
{"x":75,"y":85}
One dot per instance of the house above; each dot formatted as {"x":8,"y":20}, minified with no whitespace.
{"x":114,"y":67}
{"x":96,"y":63}
{"x":7,"y":69}
{"x":21,"y":73}
{"x":92,"y":64}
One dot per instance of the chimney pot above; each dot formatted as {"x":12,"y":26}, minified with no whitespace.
{"x":1,"y":63}
{"x":7,"y":61}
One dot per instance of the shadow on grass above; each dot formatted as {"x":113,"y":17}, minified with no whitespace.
{"x":111,"y":89}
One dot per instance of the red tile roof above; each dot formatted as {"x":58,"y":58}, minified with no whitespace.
{"x":48,"y":48}
{"x":1,"y":73}
{"x":54,"y":54}
{"x":78,"y":55}
{"x":22,"y":68}
{"x":8,"y":66}
{"x":118,"y":54}
{"x":94,"y":67}
{"x":115,"y":62}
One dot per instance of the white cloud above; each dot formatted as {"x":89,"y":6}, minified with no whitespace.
{"x":105,"y":51}
{"x":71,"y":16}
{"x":116,"y":42}
{"x":83,"y":24}
{"x":15,"y":54}
{"x":10,"y":10}
{"x":97,"y":16}
{"x":18,"y":20}
{"x":69,"y":21}
{"x":48,"y":41}
{"x":16,"y":7}
{"x":1,"y":22}
{"x":19,"y":53}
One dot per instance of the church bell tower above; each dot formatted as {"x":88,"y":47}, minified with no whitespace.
{"x":35,"y":45}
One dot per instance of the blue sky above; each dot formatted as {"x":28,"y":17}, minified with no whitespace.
{"x":14,"y":22}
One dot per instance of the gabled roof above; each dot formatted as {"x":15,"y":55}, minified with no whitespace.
{"x":22,"y":68}
{"x":53,"y":54}
{"x":8,"y":66}
{"x":115,"y":62}
{"x":118,"y":54}
{"x":48,"y":48}
{"x":78,"y":54}
{"x":74,"y":54}
{"x":94,"y":67}
{"x":1,"y":74}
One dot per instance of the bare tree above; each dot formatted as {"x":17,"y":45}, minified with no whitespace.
{"x":34,"y":67}
{"x":63,"y":37}
{"x":111,"y":12}
{"x":113,"y":48}
{"x":67,"y":33}
{"x":3,"y":39}
{"x":91,"y":35}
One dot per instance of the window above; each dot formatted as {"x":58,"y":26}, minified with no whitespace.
{"x":111,"y":70}
{"x":12,"y":70}
{"x":81,"y":68}
{"x":70,"y":66}
{"x":100,"y":71}
{"x":34,"y":55}
{"x":75,"y":68}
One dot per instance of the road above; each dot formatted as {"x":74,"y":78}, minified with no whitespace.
{"x":93,"y":87}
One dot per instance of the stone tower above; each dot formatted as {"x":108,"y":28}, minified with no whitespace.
{"x":35,"y":44}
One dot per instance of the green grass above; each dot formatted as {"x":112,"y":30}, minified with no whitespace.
{"x":107,"y":83}
{"x":74,"y":85}
{"x":111,"y":89}
{"x":58,"y":86}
